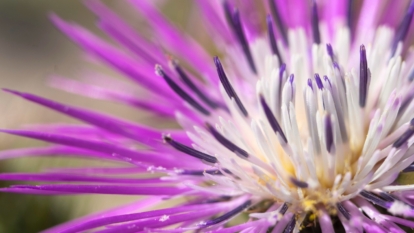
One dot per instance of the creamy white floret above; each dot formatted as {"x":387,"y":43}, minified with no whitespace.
{"x":361,"y":156}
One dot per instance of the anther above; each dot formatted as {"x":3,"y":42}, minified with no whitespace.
{"x":180,"y":92}
{"x":233,"y":18}
{"x":272,"y":39}
{"x":315,"y":24}
{"x":228,"y":87}
{"x":272,"y":119}
{"x":278,"y":20}
{"x":363,"y":77}
{"x":190,"y":151}
{"x":187,"y":81}
{"x":405,"y":136}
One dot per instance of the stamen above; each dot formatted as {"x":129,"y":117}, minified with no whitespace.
{"x":329,"y":134}
{"x":228,"y":87}
{"x":233,"y":18}
{"x":272,"y":39}
{"x":330,"y":52}
{"x":409,"y":168}
{"x":310,"y":83}
{"x":327,"y":80}
{"x":177,"y":89}
{"x":387,"y":197}
{"x":184,"y":77}
{"x":282,"y":70}
{"x":272,"y":119}
{"x":363,"y":77}
{"x":190,"y":151}
{"x":291,"y":225}
{"x":340,"y":118}
{"x":298,"y":183}
{"x":402,"y":30}
{"x":200,"y":173}
{"x":291,"y":78}
{"x":216,"y":200}
{"x":391,"y":199}
{"x":405,"y":136}
{"x":336,"y":65}
{"x":284,"y":209}
{"x":278,"y":21}
{"x":227,"y":143}
{"x":229,"y":214}
{"x":406,"y":102}
{"x":227,"y":13}
{"x":374,"y":199}
{"x":318,"y":81}
{"x":349,"y":15}
{"x":343,"y":211}
{"x":289,"y":96}
{"x":315,"y":24}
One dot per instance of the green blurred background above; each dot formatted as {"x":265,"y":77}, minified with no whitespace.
{"x":31,"y":50}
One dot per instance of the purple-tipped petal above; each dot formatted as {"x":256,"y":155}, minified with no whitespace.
{"x":101,"y":147}
{"x":130,"y":130}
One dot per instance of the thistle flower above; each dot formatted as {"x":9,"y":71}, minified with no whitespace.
{"x":303,"y":126}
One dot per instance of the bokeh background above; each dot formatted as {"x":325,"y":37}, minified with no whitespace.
{"x":31,"y":50}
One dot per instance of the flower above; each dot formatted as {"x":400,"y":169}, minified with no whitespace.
{"x":305,"y":125}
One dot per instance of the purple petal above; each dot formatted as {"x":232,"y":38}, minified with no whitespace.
{"x":178,"y":218}
{"x":100,"y":170}
{"x":186,"y":47}
{"x":97,"y":92}
{"x":98,"y":189}
{"x":139,"y":73}
{"x":54,"y":177}
{"x":325,"y":222}
{"x":118,"y":29}
{"x":243,"y":226}
{"x":141,"y":204}
{"x":103,"y":147}
{"x":172,"y":212}
{"x":129,"y":130}
{"x":51,"y":151}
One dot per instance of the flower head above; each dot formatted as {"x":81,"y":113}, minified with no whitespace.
{"x":306,"y":124}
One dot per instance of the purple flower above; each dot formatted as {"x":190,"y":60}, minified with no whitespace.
{"x":306,"y":124}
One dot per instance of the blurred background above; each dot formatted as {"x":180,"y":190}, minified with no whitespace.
{"x":31,"y":50}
